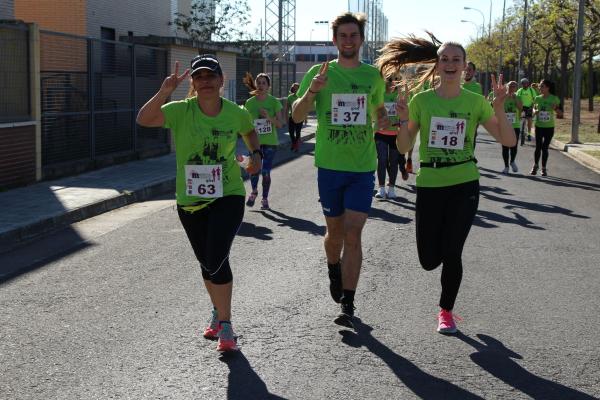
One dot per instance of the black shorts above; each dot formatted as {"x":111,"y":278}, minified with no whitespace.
{"x":528,"y":111}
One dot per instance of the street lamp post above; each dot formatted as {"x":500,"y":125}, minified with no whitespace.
{"x":326,"y":23}
{"x":485,"y":83}
{"x":476,"y":27}
{"x":310,"y":46}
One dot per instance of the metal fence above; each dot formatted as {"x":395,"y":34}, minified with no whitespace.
{"x":243,"y":65}
{"x":91,"y":91}
{"x":14,"y":73}
{"x":283,"y":74}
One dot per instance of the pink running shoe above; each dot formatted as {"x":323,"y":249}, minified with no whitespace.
{"x":211,"y":332}
{"x":251,"y":199}
{"x":264,"y":204}
{"x":227,"y":340}
{"x":446,"y":322}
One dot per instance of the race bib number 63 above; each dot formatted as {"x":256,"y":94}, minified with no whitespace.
{"x":204,"y":180}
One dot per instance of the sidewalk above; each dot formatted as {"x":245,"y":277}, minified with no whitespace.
{"x":31,"y":211}
{"x":577,"y":152}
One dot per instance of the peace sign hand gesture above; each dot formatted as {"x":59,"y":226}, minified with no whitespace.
{"x":172,"y":81}
{"x":500,"y":91}
{"x":320,"y":80}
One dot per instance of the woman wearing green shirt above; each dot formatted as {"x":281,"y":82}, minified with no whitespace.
{"x":209,"y":186}
{"x":545,"y":106}
{"x":266,"y":111}
{"x":448,"y":178}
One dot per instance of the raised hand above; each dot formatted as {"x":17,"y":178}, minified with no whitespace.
{"x":500,"y":91}
{"x":320,"y":80}
{"x":172,"y":81}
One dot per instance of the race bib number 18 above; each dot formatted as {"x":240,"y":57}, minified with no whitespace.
{"x":447,"y":133}
{"x":204,"y":180}
{"x":349,"y":109}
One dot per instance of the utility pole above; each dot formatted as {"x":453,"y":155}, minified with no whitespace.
{"x":523,"y":36}
{"x":502,"y":40}
{"x":577,"y":75}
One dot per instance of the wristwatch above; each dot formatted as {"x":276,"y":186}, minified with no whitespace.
{"x":259,"y":152}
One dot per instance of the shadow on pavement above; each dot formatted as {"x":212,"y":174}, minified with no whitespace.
{"x":383,"y":215}
{"x":524,"y":205}
{"x":497,"y":359}
{"x":424,"y":385}
{"x":483,"y":218}
{"x":297,"y":224}
{"x":550,"y":180}
{"x":255,"y":231}
{"x":244,"y":382}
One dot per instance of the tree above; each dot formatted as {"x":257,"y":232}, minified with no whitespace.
{"x":219,"y":21}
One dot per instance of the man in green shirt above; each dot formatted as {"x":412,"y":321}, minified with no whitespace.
{"x":470,"y":83}
{"x":526,"y":94}
{"x":347,"y":93}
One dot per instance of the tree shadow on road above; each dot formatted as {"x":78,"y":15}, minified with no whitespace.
{"x":383,"y":215}
{"x":483,"y":218}
{"x":297,"y":224}
{"x":424,"y":385}
{"x":243,"y":382}
{"x":254,"y":231}
{"x":539,"y":207}
{"x":497,"y":359}
{"x":550,"y":180}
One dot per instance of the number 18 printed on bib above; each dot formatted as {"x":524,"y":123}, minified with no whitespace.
{"x":447,"y":133}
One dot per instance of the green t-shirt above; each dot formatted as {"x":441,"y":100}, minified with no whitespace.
{"x":344,"y":138}
{"x":527,"y":96}
{"x":272,"y":105}
{"x":389,"y":100}
{"x":510,"y":107}
{"x":290,"y":100}
{"x":465,"y":111}
{"x":544,"y":107}
{"x":473,"y":86}
{"x":203,"y":140}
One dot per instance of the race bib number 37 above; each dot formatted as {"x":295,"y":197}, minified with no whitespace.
{"x":349,"y":109}
{"x":447,"y":133}
{"x":204,"y":180}
{"x":263,"y":126}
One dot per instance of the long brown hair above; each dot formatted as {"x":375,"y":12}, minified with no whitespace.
{"x":250,"y":82}
{"x":412,"y":51}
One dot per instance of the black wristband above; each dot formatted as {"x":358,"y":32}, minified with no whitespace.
{"x":259,"y":152}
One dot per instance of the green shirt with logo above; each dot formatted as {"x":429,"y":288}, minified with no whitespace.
{"x":467,"y":109}
{"x":203,"y":140}
{"x":389,"y":100}
{"x":544,"y":107}
{"x":527,"y":96}
{"x":344,"y":138}
{"x":273,"y":106}
{"x":511,"y":106}
{"x":473,"y":86}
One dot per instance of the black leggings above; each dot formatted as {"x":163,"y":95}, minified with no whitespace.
{"x":543,"y":137}
{"x":294,"y":129}
{"x":388,"y":158}
{"x":211,"y":231}
{"x":444,"y":217}
{"x":513,"y":150}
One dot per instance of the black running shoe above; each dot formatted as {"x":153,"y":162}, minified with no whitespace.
{"x":335,"y":282}
{"x":346,"y":316}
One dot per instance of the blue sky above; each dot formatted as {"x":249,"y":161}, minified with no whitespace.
{"x":442,"y":17}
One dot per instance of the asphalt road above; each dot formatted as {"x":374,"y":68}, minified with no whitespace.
{"x":116,"y":310}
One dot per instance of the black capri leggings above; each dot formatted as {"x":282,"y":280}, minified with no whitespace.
{"x":543,"y":137}
{"x":294,"y":129}
{"x":211,"y":231}
{"x":444,"y":217}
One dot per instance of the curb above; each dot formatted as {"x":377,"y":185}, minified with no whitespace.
{"x":578,"y":155}
{"x":23,"y":234}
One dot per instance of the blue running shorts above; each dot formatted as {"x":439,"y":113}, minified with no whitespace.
{"x":341,"y":190}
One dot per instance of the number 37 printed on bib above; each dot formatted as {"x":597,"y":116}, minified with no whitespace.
{"x":447,"y":133}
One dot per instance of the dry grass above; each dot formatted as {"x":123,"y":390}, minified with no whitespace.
{"x":593,"y":153}
{"x":588,"y":123}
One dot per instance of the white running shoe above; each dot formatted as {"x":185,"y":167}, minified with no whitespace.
{"x":380,"y":193}
{"x":391,"y":193}
{"x":514,"y":167}
{"x":505,"y":171}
